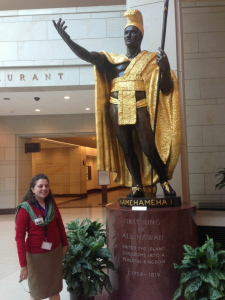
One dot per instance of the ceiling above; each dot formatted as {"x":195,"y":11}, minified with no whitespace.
{"x":86,"y":141}
{"x":50,"y":103}
{"x":39,"y":4}
{"x":48,"y":143}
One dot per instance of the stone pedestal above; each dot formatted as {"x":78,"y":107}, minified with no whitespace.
{"x":145,"y":244}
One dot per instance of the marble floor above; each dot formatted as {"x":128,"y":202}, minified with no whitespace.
{"x":70,"y":208}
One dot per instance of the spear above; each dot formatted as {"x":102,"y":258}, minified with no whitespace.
{"x":165,"y":13}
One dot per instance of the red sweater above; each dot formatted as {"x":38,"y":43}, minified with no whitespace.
{"x":36,"y":234}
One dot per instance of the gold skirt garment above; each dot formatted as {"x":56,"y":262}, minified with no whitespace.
{"x":139,"y":103}
{"x":126,"y":86}
{"x":45,"y":273}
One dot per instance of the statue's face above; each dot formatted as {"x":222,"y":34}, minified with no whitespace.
{"x":132,"y":37}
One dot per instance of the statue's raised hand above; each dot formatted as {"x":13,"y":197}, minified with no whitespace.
{"x":162,"y":61}
{"x":61,"y":29}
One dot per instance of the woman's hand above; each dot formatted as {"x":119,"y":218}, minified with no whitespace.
{"x":23,"y":273}
{"x":64,"y":250}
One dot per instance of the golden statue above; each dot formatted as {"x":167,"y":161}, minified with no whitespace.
{"x":125,"y":99}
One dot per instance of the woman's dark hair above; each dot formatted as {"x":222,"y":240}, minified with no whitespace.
{"x":30,"y":195}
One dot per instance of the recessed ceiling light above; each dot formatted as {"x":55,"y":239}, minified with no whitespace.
{"x":37,"y":110}
{"x":67,"y":97}
{"x":87,"y":108}
{"x":6,"y":98}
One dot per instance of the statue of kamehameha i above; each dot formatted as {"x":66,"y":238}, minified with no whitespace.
{"x":126,"y":87}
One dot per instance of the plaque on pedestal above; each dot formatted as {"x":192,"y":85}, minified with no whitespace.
{"x":145,"y":244}
{"x":157,"y":202}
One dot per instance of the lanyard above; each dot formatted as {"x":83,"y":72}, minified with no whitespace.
{"x":46,"y":212}
{"x":23,"y":287}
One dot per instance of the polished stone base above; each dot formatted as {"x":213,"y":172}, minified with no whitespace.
{"x":145,"y":244}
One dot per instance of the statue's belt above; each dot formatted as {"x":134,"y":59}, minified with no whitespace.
{"x":127,"y":104}
{"x":139,"y":103}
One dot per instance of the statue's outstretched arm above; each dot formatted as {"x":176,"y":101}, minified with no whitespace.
{"x":94,"y":58}
{"x":163,"y":63}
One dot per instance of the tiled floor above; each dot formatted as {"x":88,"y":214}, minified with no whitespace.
{"x":10,"y":289}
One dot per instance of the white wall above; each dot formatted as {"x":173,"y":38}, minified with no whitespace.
{"x":28,"y":37}
{"x":152,"y":11}
{"x":30,"y":45}
{"x":204,"y":66}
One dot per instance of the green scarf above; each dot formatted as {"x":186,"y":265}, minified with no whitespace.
{"x":29,"y":210}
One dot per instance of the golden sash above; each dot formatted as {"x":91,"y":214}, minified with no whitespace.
{"x":126,"y":86}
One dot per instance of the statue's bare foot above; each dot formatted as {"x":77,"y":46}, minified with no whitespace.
{"x":168,"y":190}
{"x":136,"y":193}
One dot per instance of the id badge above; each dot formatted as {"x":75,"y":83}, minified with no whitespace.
{"x":38,"y":221}
{"x":46,"y":246}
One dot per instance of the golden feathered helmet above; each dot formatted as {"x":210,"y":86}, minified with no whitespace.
{"x":135,"y":19}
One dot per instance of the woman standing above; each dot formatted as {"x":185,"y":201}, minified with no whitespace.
{"x":40,"y":256}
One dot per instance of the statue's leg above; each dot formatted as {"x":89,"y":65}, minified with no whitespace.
{"x":125,"y":139}
{"x":145,"y":135}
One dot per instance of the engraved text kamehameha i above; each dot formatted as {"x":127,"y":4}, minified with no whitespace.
{"x":126,"y":88}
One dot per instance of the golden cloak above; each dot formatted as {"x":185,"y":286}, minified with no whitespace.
{"x":110,"y":156}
